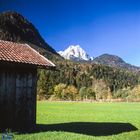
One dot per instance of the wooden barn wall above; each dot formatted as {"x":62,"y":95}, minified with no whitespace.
{"x":18,"y":97}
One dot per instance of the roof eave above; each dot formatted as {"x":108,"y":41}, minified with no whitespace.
{"x":47,"y":67}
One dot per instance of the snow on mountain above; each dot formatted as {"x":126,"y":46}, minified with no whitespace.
{"x":76,"y":53}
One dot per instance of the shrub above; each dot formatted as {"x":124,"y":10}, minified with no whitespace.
{"x":87,"y":93}
{"x":64,"y":92}
{"x":59,"y":90}
{"x":122,"y":93}
{"x":70,"y":93}
{"x":101,"y":89}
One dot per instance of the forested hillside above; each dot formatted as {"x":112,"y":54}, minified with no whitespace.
{"x":80,"y":81}
{"x":115,"y":61}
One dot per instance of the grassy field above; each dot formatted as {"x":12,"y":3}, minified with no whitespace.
{"x":85,"y":121}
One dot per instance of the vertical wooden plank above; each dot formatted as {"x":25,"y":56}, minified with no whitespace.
{"x":7,"y":90}
{"x":34,"y":91}
{"x":29,"y":97}
{"x":2,"y":92}
{"x":10,"y":92}
{"x":31,"y":94}
{"x":20,"y":103}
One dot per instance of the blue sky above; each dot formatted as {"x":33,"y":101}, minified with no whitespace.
{"x":98,"y":26}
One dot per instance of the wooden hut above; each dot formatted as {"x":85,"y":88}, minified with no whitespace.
{"x":18,"y":83}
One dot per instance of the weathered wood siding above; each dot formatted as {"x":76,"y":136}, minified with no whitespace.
{"x":17,"y":96}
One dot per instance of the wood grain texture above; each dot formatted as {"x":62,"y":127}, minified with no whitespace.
{"x":17,"y":96}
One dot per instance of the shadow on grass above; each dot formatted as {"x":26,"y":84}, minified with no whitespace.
{"x":87,"y":128}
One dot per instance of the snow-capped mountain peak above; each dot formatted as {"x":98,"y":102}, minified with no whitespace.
{"x":75,"y":52}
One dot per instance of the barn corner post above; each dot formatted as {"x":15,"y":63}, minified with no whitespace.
{"x":18,"y":84}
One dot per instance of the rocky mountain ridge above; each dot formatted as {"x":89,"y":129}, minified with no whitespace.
{"x":14,"y":27}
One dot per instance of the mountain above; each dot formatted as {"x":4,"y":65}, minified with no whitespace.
{"x":114,"y":61}
{"x":14,"y":27}
{"x":75,"y":53}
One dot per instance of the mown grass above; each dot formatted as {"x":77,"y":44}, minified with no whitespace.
{"x":85,"y":121}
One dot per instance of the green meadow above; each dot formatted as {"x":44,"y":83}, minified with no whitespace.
{"x":85,"y":121}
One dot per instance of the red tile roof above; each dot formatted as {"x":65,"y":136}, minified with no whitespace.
{"x":22,"y":53}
